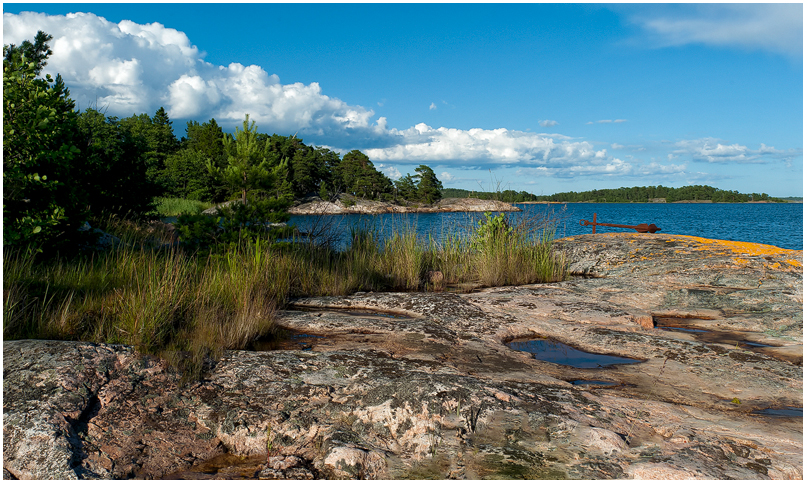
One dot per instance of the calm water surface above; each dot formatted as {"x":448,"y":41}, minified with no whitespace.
{"x":778,"y":224}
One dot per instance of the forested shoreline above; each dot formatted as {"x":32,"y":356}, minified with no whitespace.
{"x":63,"y":167}
{"x":621,"y":195}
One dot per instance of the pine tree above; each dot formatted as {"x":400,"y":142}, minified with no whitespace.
{"x":429,"y":187}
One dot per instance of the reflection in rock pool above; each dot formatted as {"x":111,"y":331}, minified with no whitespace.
{"x":562,"y":354}
{"x":781,"y":412}
{"x":286,"y":340}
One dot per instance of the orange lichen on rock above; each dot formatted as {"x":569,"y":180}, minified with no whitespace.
{"x":794,"y":263}
{"x":749,"y":248}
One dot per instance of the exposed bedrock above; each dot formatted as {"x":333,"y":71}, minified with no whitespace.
{"x":348,"y":204}
{"x":392,"y":385}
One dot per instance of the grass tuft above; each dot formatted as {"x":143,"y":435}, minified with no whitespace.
{"x":174,"y":207}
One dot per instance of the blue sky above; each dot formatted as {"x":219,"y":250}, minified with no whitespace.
{"x":538,"y":97}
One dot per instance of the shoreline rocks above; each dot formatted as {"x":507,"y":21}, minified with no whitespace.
{"x":423,"y":385}
{"x":351,"y":205}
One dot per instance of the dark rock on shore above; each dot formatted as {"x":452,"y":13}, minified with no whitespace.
{"x":392,"y":385}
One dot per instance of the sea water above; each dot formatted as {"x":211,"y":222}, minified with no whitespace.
{"x":778,"y":224}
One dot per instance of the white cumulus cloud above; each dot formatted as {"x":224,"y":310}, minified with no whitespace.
{"x":501,"y":146}
{"x":432,"y":107}
{"x":129,"y":68}
{"x":548,"y":122}
{"x":392,"y":172}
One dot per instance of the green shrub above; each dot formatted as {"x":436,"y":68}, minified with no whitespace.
{"x":173,"y":207}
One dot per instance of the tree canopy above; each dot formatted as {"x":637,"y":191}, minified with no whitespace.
{"x":361,"y":178}
{"x":40,"y":195}
{"x":623,"y":195}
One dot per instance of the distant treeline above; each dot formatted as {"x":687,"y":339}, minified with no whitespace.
{"x":509,"y":196}
{"x":634,"y":194}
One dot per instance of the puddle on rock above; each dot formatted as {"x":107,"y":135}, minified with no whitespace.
{"x":755,"y":345}
{"x":732,"y":338}
{"x":286,"y":340}
{"x":556,"y":352}
{"x":796,"y":412}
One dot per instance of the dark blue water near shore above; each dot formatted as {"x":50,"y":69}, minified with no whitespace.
{"x":778,"y":224}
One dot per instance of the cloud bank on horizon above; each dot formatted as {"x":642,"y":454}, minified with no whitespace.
{"x":128,"y":68}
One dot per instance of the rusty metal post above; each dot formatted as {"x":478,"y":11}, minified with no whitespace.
{"x":641,"y":228}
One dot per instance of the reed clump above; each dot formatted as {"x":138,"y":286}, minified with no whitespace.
{"x":186,"y":306}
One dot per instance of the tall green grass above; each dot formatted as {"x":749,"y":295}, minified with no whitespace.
{"x":173,"y":207}
{"x":186,"y":307}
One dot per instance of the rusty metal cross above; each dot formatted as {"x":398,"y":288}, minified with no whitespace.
{"x":641,"y":228}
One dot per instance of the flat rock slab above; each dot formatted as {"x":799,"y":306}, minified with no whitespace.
{"x":392,"y":385}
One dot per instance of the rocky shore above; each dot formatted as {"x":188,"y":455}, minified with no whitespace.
{"x":424,"y":385}
{"x":348,"y":205}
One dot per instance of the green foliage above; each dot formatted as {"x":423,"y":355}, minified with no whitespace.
{"x":406,"y":187}
{"x":235,"y":224}
{"x":40,"y":197}
{"x":186,"y":173}
{"x":617,"y":195}
{"x":429,"y":186}
{"x":26,"y":53}
{"x":262,"y":180}
{"x":198,"y":231}
{"x":206,"y":137}
{"x":173,"y":207}
{"x":158,"y":142}
{"x":509,"y":196}
{"x":644,"y":194}
{"x":491,"y":229}
{"x":249,"y":168}
{"x":115,"y":172}
{"x":360,"y":178}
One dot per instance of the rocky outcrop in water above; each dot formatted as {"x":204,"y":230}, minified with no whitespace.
{"x":391,"y":385}
{"x":348,"y":204}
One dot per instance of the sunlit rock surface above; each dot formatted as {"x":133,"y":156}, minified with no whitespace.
{"x":423,"y":385}
{"x":317,"y":206}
